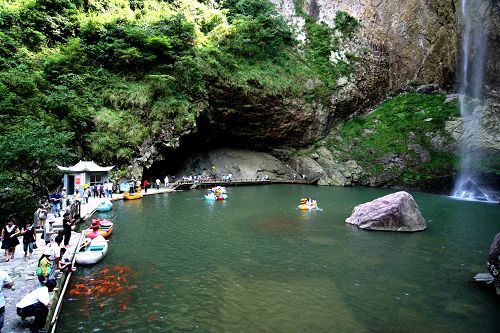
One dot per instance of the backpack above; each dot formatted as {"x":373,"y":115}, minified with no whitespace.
{"x":42,"y":215}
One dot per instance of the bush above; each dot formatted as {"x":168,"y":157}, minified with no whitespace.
{"x":345,"y":23}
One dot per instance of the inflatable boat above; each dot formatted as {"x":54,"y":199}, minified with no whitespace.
{"x":128,"y":196}
{"x":104,"y":206}
{"x":92,"y":252}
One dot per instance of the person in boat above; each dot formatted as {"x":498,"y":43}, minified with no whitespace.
{"x":9,"y":238}
{"x":93,"y":234}
{"x":37,"y":304}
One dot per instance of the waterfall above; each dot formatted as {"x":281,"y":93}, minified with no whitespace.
{"x":474,"y":44}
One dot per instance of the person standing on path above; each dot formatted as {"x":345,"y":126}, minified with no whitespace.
{"x":37,"y":304}
{"x":9,"y":238}
{"x":55,"y":199}
{"x":42,"y":216}
{"x":166,"y":181}
{"x":5,"y":282}
{"x":157,"y":182}
{"x":110,"y":189}
{"x":28,"y":232}
{"x":64,"y":199}
{"x":67,"y":224}
{"x":48,"y":231}
{"x":77,"y":198}
{"x":86,"y":195}
{"x":146,"y":184}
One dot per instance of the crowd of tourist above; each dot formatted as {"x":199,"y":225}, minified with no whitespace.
{"x":52,"y":261}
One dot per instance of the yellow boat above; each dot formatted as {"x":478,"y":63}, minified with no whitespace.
{"x":134,"y":196}
{"x":303,"y":207}
{"x":307,"y":204}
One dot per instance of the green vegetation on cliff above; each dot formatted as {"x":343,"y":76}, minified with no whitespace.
{"x":115,"y":74}
{"x":402,"y":142}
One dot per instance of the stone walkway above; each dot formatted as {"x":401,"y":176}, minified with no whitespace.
{"x":22,"y":270}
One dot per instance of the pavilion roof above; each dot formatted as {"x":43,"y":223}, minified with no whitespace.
{"x":83,"y":166}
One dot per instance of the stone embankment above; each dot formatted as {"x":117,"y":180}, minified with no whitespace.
{"x":22,"y":270}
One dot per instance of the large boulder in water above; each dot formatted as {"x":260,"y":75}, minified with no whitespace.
{"x":393,"y":212}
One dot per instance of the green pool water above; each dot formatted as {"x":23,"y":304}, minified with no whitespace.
{"x":254,"y":263}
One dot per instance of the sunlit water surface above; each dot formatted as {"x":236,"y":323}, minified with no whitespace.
{"x":254,"y":263}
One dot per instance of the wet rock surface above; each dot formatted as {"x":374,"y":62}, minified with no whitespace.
{"x":245,"y":164}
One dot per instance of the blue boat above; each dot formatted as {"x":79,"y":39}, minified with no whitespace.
{"x":104,"y":206}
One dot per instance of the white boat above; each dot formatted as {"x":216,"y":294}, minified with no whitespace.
{"x":93,"y":252}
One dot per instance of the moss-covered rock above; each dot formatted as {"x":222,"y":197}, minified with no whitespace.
{"x":403,"y":142}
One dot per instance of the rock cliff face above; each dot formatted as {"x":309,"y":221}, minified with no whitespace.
{"x":240,"y":163}
{"x":398,"y":44}
{"x":399,"y":41}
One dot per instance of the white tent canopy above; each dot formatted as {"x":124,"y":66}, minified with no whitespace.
{"x":85,"y":166}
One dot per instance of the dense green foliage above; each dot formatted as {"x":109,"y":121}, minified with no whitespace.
{"x":400,"y":129}
{"x":113,"y":74}
{"x":29,"y":151}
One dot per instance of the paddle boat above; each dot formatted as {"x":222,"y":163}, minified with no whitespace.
{"x":216,"y":193}
{"x":102,"y":227}
{"x":92,"y":251}
{"x":104,"y":206}
{"x":134,"y":196}
{"x":308,"y":204}
{"x":214,"y":197}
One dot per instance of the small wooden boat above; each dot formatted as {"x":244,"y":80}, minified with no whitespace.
{"x":134,"y":196}
{"x":104,"y":206}
{"x":105,"y":228}
{"x":92,"y":252}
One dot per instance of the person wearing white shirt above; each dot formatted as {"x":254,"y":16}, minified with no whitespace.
{"x":166,"y":181}
{"x":5,"y":282}
{"x":37,"y":304}
{"x":52,"y":249}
